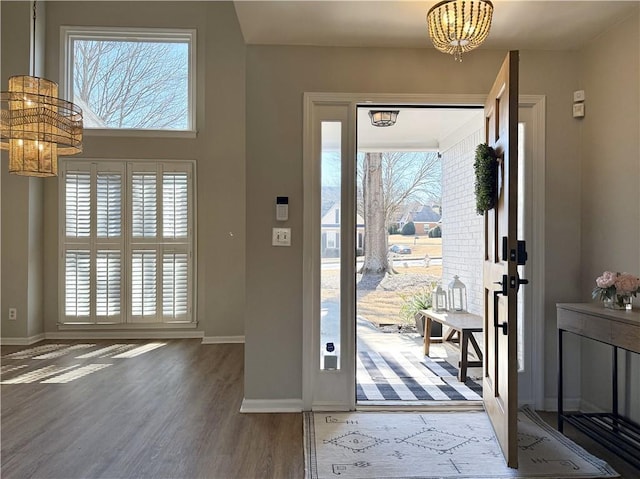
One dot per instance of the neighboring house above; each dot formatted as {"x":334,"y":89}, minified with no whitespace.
{"x":330,"y":227}
{"x":425,"y":219}
{"x":403,"y":214}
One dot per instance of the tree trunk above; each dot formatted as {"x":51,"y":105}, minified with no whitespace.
{"x":375,"y":236}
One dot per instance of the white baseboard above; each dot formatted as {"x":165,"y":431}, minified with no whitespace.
{"x":569,"y":404}
{"x":223,"y":340}
{"x":22,"y":341}
{"x":270,"y":405}
{"x":128,"y":334}
{"x":102,"y":335}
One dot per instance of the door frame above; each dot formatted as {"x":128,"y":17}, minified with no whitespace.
{"x":311,"y":229}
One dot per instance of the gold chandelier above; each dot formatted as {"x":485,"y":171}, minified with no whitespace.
{"x":458,"y":26}
{"x":35,"y":125}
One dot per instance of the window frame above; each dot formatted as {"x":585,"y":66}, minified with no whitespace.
{"x":126,"y":244}
{"x":70,"y":33}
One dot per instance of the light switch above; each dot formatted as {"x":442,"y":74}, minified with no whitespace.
{"x":578,"y":95}
{"x":281,"y":237}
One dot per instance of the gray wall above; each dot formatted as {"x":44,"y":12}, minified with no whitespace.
{"x":277,"y":76}
{"x":219,"y":151}
{"x":22,"y":206}
{"x":610,"y":213}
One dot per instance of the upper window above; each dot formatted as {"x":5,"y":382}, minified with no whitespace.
{"x":126,"y":79}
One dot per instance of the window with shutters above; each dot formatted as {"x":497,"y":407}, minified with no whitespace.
{"x":127,"y":242}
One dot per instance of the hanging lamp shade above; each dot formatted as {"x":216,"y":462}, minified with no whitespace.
{"x":36,"y":126}
{"x":458,"y":26}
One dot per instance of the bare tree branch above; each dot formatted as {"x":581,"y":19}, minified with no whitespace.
{"x":133,"y":84}
{"x":402,"y":178}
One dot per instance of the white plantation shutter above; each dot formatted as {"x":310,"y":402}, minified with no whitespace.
{"x":144,"y":273}
{"x":144,"y":205}
{"x":175,"y":284}
{"x":108,"y":283}
{"x":78,"y":204}
{"x":175,"y":205}
{"x":77,"y":283}
{"x":127,"y":242}
{"x":109,"y":205}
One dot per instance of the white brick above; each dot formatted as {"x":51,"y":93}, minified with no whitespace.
{"x":463,"y":233}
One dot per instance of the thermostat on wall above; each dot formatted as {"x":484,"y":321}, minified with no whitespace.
{"x":282,"y":208}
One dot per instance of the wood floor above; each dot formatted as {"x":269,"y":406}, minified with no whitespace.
{"x":164,"y":411}
{"x":171,"y":412}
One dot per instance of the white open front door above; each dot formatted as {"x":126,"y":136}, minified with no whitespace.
{"x":501,"y":255}
{"x":329,"y":256}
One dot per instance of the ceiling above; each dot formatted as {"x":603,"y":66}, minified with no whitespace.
{"x":416,"y":129}
{"x":517,"y":25}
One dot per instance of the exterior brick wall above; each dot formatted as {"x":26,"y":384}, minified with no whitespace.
{"x":462,"y":227}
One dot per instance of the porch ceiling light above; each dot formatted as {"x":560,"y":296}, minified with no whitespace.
{"x":383,"y":117}
{"x":35,"y":125}
{"x":458,"y":26}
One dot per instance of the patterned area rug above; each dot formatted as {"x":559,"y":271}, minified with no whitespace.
{"x":452,"y":445}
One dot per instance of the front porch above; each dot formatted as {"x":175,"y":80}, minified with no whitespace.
{"x":391,"y":367}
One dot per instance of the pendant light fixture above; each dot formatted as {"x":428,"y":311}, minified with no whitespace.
{"x":383,"y":117}
{"x":458,"y":26}
{"x":35,"y":125}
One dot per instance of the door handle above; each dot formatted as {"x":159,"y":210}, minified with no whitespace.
{"x":496,"y":324}
{"x":504,"y":283}
{"x":496,"y":300}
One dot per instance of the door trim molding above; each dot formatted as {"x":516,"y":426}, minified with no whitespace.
{"x":537,"y":103}
{"x":537,"y":247}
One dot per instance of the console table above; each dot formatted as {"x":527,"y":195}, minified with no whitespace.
{"x":619,"y":329}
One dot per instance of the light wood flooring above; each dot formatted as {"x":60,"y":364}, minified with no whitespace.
{"x":171,"y":412}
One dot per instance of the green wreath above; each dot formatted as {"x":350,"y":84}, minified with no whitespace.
{"x":486,"y":168}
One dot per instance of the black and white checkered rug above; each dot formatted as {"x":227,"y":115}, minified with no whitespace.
{"x":395,"y":375}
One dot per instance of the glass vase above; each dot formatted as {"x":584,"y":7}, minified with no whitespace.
{"x":619,"y":302}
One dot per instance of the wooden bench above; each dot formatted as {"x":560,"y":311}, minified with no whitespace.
{"x":462,"y":324}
